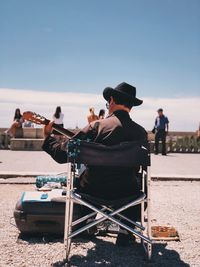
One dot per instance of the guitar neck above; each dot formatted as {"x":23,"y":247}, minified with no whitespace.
{"x":62,"y":130}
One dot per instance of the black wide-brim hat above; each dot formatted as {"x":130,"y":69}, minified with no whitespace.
{"x":125,"y":90}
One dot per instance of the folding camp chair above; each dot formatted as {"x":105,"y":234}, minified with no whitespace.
{"x":127,"y":154}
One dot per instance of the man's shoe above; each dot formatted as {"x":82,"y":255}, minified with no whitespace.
{"x":124,"y":240}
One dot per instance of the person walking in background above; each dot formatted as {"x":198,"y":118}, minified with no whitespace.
{"x":17,"y":123}
{"x":58,"y":119}
{"x":161,"y":130}
{"x":92,"y":116}
{"x":101,"y":114}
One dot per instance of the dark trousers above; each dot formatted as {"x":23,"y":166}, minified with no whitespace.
{"x":160,"y":135}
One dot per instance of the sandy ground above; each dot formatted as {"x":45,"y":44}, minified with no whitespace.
{"x":174,"y":203}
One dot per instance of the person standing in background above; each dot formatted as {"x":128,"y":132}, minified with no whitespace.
{"x":58,"y":119}
{"x":161,"y":130}
{"x":101,"y":114}
{"x":92,"y":116}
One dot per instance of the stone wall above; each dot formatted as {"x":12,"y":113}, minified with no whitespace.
{"x":179,"y":142}
{"x":32,"y":139}
{"x":25,"y":139}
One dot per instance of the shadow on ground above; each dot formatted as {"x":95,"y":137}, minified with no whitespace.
{"x":112,"y":256}
{"x":106,"y":253}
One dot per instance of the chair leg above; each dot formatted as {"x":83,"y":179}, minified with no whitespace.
{"x":68,"y":213}
{"x":147,"y":246}
{"x":149,"y":251}
{"x":149,"y":211}
{"x":67,"y":230}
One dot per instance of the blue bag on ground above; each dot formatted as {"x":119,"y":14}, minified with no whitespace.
{"x":44,"y":179}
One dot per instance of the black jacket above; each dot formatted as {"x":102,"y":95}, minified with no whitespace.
{"x":109,"y":182}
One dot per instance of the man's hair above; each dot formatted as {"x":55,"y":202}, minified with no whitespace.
{"x":91,"y":109}
{"x":57,"y":113}
{"x":121,"y":100}
{"x":160,"y":110}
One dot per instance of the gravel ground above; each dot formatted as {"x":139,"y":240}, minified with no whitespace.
{"x":174,"y":203}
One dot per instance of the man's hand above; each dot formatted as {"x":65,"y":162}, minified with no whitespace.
{"x":47,"y":129}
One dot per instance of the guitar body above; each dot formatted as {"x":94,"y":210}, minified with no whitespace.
{"x":40,"y":120}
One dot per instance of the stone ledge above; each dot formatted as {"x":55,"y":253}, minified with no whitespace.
{"x":29,"y":133}
{"x":26,"y":144}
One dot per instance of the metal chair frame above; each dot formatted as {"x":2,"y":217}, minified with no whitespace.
{"x":144,"y":233}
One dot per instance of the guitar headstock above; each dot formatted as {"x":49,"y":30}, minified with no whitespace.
{"x":34,"y":117}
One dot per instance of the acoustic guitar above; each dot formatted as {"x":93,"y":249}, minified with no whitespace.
{"x":38,"y":119}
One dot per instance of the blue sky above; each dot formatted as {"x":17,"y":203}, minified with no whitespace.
{"x":85,"y":45}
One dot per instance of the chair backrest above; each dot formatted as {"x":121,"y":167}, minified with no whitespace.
{"x":126,"y":154}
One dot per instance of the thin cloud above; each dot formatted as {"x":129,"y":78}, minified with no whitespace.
{"x":39,"y":97}
{"x":183,"y":113}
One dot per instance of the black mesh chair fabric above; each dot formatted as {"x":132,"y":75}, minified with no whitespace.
{"x":126,"y":154}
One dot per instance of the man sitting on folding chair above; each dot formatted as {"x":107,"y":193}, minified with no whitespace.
{"x":108,"y":183}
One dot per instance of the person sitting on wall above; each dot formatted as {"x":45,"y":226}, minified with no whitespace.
{"x":101,"y":114}
{"x":58,"y":119}
{"x":17,"y":123}
{"x":92,"y":116}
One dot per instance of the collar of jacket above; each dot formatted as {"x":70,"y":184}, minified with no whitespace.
{"x":119,"y":112}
